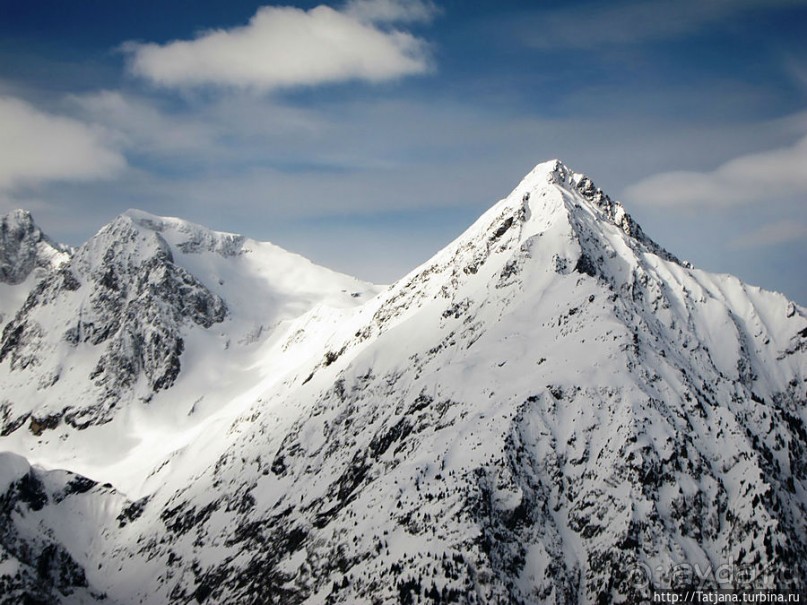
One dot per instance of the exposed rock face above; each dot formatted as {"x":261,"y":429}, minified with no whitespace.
{"x":37,"y":568}
{"x":129,"y":302}
{"x":23,"y":248}
{"x":551,"y":410}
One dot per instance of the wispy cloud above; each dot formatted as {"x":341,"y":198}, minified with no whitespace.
{"x":391,"y":11}
{"x":146,"y":126}
{"x":39,"y":146}
{"x":753,"y":178}
{"x":796,"y":69}
{"x":772,"y":234}
{"x":141,"y":126}
{"x":631,"y":22}
{"x":284,"y":47}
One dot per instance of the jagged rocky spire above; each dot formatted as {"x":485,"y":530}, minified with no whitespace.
{"x":23,"y":247}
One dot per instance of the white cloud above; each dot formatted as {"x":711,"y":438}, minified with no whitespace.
{"x":391,"y":11}
{"x":772,"y":234}
{"x":754,"y":178}
{"x":38,"y":146}
{"x":284,"y":47}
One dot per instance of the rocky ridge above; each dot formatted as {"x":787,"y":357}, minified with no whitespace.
{"x":24,"y":248}
{"x":551,"y":410}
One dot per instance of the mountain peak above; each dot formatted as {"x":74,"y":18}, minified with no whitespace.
{"x":581,"y":190}
{"x":555,"y":220}
{"x":550,"y":172}
{"x":157,"y":222}
{"x":188,"y":237}
{"x":24,"y":247}
{"x":555,"y":173}
{"x":19,"y":216}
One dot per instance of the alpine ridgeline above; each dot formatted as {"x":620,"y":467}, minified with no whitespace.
{"x":551,"y":410}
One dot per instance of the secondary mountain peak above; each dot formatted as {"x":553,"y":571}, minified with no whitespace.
{"x":24,"y":247}
{"x":188,"y":237}
{"x":135,"y":301}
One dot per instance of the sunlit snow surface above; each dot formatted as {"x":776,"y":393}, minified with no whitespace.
{"x":225,"y":365}
{"x":547,"y":406}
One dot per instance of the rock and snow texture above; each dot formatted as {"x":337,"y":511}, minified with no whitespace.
{"x":24,"y":248}
{"x":48,"y":526}
{"x":552,"y":410}
{"x":151,"y":321}
{"x":26,"y":255}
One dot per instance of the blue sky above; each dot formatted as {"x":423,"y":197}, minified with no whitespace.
{"x":367,"y":134}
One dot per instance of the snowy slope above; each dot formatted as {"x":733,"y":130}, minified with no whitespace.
{"x":26,"y":255}
{"x":43,"y":557}
{"x":151,"y":327}
{"x":551,"y":410}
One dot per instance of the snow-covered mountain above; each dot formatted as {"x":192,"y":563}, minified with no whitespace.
{"x":24,"y":248}
{"x":150,"y":327}
{"x":551,"y":410}
{"x":25,"y":255}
